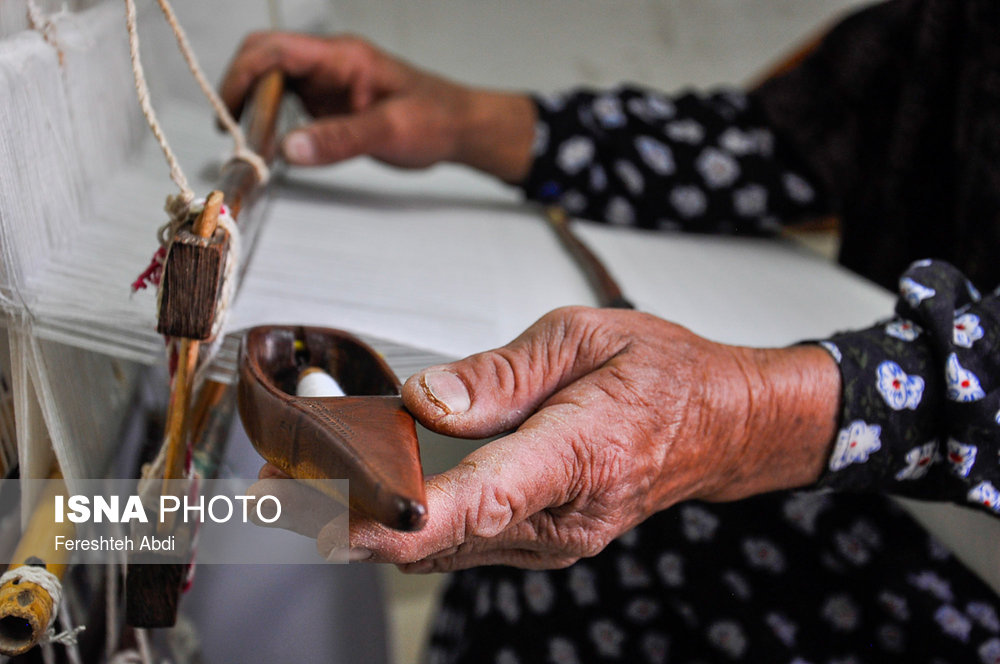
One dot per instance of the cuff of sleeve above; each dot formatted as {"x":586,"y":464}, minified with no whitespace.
{"x":887,"y":409}
{"x":545,"y":183}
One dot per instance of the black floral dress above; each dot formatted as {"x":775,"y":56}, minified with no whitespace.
{"x":835,"y":575}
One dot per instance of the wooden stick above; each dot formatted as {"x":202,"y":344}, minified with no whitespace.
{"x":609,"y":294}
{"x":26,"y":608}
{"x":153,"y":591}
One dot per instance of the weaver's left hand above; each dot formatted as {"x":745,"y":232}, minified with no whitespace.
{"x":618,"y":414}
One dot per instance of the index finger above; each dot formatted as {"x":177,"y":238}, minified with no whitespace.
{"x":500,"y":484}
{"x":294,"y":54}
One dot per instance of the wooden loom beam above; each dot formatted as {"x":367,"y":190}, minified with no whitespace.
{"x":153,"y":591}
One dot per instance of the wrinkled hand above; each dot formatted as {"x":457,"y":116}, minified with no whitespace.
{"x":368,"y":102}
{"x":618,"y":414}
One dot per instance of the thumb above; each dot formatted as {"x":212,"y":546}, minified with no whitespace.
{"x":495,"y":391}
{"x":336,"y":139}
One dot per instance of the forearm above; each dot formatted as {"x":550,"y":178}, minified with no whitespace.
{"x":791,"y":408}
{"x":495,"y":133}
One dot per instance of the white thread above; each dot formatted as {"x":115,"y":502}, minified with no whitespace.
{"x":42,"y":578}
{"x":67,"y":637}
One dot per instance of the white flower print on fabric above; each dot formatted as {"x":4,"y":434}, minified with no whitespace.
{"x":782,"y":627}
{"x":967,"y":330}
{"x":638,"y":107}
{"x":607,"y":637}
{"x":659,"y":106}
{"x":561,"y":651}
{"x":891,"y":638}
{"x":834,"y":352}
{"x":932,"y":583}
{"x":798,"y":189}
{"x":538,"y":592}
{"x":507,"y":602}
{"x":961,"y":457}
{"x":899,"y":390}
{"x":903,"y":329}
{"x":997,"y":417}
{"x":963,"y":385}
{"x":540,"y":143}
{"x":737,"y":141}
{"x":953,"y":622}
{"x":989,"y":652}
{"x":717,"y":168}
{"x":738,"y":584}
{"x":923,"y":262}
{"x":642,"y":610}
{"x":698,"y":523}
{"x":553,"y":101}
{"x":985,"y":494}
{"x":598,"y":178}
{"x":728,"y":637}
{"x":670,"y":567}
{"x":841,"y":612}
{"x":583,"y":585}
{"x":973,"y":291}
{"x":656,"y":155}
{"x":449,"y":622}
{"x":918,"y":461}
{"x":764,"y":554}
{"x":608,"y":110}
{"x":803,"y":508}
{"x":852,"y":547}
{"x":913,"y":292}
{"x":507,"y":656}
{"x":895,"y":605}
{"x":764,"y":140}
{"x":632,"y":574}
{"x":689,"y":201}
{"x":574,"y":154}
{"x":685,"y":131}
{"x":985,"y":615}
{"x":630,"y":176}
{"x":855,"y":444}
{"x":573,"y":201}
{"x":629,"y":538}
{"x":482,"y":604}
{"x":620,"y":212}
{"x":750,"y":201}
{"x":654,"y":646}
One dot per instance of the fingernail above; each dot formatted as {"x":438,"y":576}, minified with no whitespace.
{"x":447,"y":391}
{"x":299,"y":148}
{"x":356,"y":555}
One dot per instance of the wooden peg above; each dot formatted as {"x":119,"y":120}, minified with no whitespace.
{"x":192,"y":275}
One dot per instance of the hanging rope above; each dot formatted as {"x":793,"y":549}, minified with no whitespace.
{"x":177,"y":206}
{"x":40,"y":22}
{"x":240,"y":148}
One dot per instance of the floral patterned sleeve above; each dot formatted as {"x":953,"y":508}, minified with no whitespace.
{"x":696,"y":162}
{"x":921,"y":394}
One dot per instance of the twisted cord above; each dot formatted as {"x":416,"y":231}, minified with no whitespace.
{"x":240,"y":148}
{"x":177,"y":206}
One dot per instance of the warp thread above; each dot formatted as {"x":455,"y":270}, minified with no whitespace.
{"x":50,"y":583}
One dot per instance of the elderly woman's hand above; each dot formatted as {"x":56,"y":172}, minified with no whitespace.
{"x":615,"y":415}
{"x":367,"y":102}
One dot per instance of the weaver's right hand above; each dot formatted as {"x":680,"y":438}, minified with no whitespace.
{"x":365,"y":101}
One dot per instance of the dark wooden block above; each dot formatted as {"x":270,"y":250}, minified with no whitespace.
{"x":192,"y":282}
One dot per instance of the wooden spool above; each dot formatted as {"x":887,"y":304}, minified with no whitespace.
{"x":26,"y":608}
